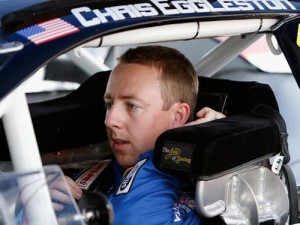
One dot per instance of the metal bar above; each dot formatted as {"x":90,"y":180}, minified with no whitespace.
{"x":224,"y":53}
{"x":25,"y":158}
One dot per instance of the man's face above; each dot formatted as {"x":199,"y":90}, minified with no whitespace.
{"x":134,"y":117}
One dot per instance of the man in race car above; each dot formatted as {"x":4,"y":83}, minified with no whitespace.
{"x":151,"y":90}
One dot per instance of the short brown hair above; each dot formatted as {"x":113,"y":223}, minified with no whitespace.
{"x":179,"y":82}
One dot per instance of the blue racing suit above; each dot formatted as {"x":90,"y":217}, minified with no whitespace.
{"x":146,"y":195}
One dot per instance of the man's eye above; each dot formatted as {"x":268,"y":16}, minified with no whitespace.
{"x":132,"y":106}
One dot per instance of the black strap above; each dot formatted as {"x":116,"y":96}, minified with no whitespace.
{"x":292,"y":192}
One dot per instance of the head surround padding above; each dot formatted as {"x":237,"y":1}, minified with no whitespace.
{"x":213,"y":149}
{"x":252,"y":132}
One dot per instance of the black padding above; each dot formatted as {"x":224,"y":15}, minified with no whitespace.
{"x":241,"y":96}
{"x":253,"y":130}
{"x":213,"y":149}
{"x":216,"y":101}
{"x":67,"y":122}
{"x":266,"y":112}
{"x":74,"y":120}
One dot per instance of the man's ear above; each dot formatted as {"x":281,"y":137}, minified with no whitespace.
{"x":182,"y":113}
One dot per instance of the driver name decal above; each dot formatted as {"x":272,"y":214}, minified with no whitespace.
{"x":91,"y":17}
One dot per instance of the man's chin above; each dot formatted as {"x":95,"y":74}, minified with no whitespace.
{"x":126,"y":161}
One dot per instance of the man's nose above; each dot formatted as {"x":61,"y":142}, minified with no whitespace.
{"x":113,"y":117}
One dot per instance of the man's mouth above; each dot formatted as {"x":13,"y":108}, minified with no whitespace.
{"x":119,"y":141}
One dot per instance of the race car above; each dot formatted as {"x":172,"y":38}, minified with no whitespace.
{"x":55,"y":60}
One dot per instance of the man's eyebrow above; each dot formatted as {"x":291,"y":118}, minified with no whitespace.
{"x":109,"y":96}
{"x":126,"y":97}
{"x":131,"y":97}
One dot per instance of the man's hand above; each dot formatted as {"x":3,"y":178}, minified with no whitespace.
{"x":75,"y":189}
{"x":206,"y":114}
{"x":58,"y":192}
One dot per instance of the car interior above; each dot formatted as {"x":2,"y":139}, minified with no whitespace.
{"x":240,"y":144}
{"x":225,"y":155}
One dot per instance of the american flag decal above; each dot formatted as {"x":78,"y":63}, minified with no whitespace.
{"x":48,"y":31}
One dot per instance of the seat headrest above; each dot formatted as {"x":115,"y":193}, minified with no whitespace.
{"x":234,"y":97}
{"x":219,"y":147}
{"x":251,"y":132}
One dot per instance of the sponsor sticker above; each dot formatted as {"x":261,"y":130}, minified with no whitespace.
{"x":85,"y":180}
{"x":125,"y":186}
{"x":177,"y":156}
{"x":184,"y":205}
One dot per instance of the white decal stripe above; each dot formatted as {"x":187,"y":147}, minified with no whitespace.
{"x":125,"y":186}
